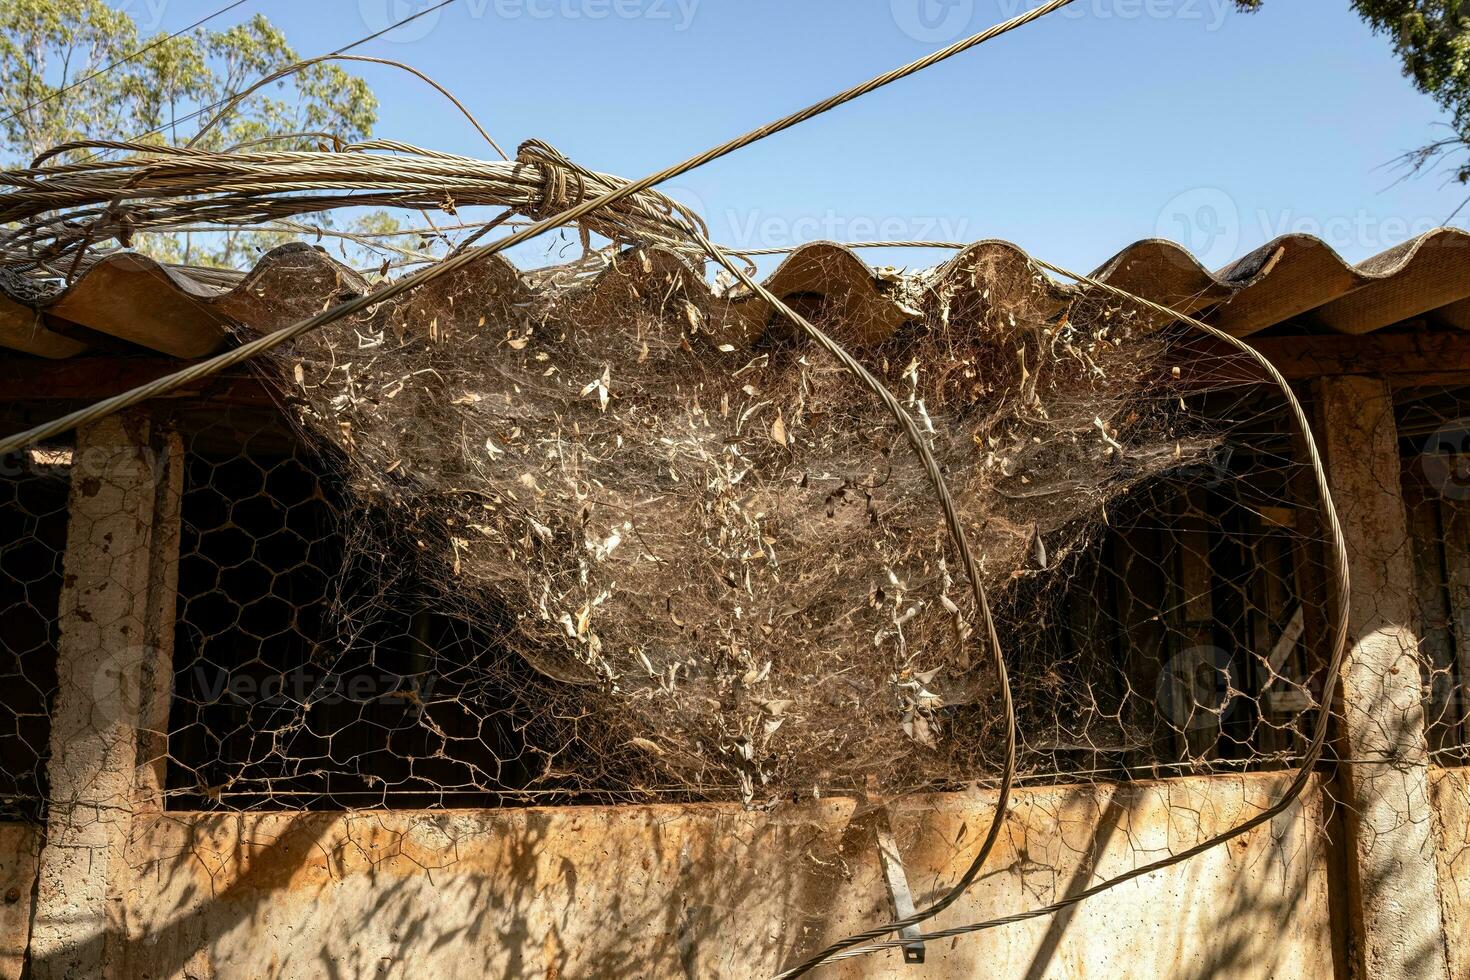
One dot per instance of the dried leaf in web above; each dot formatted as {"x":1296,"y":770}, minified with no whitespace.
{"x":716,"y":543}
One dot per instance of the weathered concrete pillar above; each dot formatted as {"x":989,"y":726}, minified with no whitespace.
{"x":1391,"y":851}
{"x":113,"y":673}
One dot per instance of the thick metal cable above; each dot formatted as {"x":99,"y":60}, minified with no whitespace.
{"x":413,"y":280}
{"x":1342,"y":596}
{"x":972,"y":572}
{"x":848,"y":947}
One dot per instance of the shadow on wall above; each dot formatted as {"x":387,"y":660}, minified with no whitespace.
{"x":629,"y":892}
{"x":712,"y":891}
{"x":1450,"y":793}
{"x":1256,"y":907}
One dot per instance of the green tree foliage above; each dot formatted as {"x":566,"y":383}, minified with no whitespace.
{"x":166,"y":94}
{"x":46,"y":45}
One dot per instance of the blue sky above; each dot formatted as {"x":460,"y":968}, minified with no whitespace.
{"x":1108,"y":122}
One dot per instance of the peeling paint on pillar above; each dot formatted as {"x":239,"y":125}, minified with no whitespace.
{"x":103,"y":656}
{"x":1392,"y":851}
{"x":1450,"y":790}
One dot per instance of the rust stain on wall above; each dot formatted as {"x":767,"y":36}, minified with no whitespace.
{"x":712,"y":891}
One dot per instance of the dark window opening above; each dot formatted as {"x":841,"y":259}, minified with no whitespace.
{"x":308,"y":678}
{"x":34,"y":485}
{"x":1434,"y":446}
{"x":1181,"y":641}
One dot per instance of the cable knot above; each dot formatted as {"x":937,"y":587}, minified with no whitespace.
{"x":562,"y":186}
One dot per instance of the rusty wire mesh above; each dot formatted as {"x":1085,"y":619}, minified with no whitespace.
{"x":349,"y":636}
{"x":33,"y":522}
{"x":626,"y":544}
{"x":345,"y":640}
{"x":336,"y":645}
{"x":391,"y":577}
{"x":304,"y":677}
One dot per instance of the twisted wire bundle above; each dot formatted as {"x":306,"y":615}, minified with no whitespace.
{"x":66,"y":215}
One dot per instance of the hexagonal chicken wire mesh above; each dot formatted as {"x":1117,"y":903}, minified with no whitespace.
{"x":1188,"y":639}
{"x":305,"y":679}
{"x":313,"y":670}
{"x":34,"y":485}
{"x":317,"y":668}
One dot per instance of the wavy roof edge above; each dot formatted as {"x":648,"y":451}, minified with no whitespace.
{"x":127,"y":301}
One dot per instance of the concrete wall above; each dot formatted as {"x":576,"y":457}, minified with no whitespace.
{"x":711,"y":891}
{"x":1393,"y":880}
{"x":19,"y":849}
{"x":1450,"y":792}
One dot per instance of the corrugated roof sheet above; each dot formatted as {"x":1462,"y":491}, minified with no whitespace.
{"x":128,"y":301}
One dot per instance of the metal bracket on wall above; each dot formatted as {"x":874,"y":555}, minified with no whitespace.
{"x":898,"y":891}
